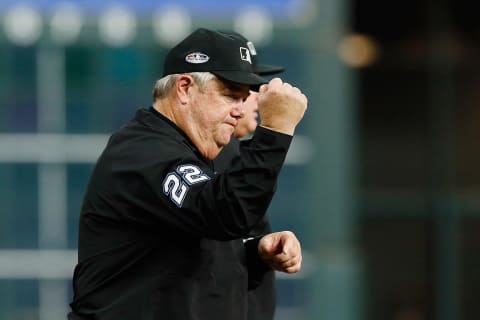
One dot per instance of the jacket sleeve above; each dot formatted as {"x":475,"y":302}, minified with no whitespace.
{"x":175,"y":189}
{"x":255,"y":265}
{"x":231,"y":203}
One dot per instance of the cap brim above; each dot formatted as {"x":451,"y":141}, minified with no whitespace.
{"x":266,"y":69}
{"x":241,"y":77}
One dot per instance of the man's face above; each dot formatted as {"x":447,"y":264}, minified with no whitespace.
{"x":248,"y":123}
{"x":217,"y":110}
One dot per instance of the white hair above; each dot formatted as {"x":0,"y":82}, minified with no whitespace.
{"x":164,"y":85}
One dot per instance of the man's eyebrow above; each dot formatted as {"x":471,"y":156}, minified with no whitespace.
{"x":232,"y":85}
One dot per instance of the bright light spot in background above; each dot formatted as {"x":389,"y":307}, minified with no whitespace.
{"x":255,"y":24}
{"x":358,"y":50}
{"x":171,"y":24}
{"x":66,"y":23}
{"x":23,"y":25}
{"x":117,"y":26}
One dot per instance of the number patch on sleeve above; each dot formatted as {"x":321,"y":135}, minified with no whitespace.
{"x":192,"y":174}
{"x":176,"y":184}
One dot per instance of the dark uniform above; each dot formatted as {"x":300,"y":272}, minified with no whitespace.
{"x":155,"y":218}
{"x":261,"y":293}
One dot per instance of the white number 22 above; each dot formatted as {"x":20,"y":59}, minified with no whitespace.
{"x":176,"y":184}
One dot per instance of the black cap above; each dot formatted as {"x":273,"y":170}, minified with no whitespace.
{"x":258,"y":68}
{"x":222,"y":54}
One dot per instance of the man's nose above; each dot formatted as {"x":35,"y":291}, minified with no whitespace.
{"x":238,"y":111}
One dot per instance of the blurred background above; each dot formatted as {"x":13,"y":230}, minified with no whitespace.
{"x":381,"y":184}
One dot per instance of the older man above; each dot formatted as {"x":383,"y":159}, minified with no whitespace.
{"x":156,"y":214}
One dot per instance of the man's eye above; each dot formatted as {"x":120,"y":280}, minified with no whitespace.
{"x":235,"y":97}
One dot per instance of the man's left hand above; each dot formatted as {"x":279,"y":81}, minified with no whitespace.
{"x":281,"y":251}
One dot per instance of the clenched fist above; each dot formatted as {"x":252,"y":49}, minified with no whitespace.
{"x":281,"y":251}
{"x":281,"y":106}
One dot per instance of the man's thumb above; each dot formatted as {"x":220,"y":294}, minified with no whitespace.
{"x":267,"y":245}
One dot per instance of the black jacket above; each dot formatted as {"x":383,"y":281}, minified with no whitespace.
{"x":261,"y":293}
{"x":155,"y":216}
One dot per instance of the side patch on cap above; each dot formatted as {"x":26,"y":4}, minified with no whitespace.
{"x":251,"y":47}
{"x":197,"y":57}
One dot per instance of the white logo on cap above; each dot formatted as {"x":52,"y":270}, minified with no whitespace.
{"x":245,"y":54}
{"x":197,"y":57}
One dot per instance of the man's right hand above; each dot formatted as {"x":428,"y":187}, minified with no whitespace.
{"x":281,"y":106}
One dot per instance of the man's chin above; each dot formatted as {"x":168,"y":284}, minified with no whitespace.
{"x":228,"y":136}
{"x":228,"y":139}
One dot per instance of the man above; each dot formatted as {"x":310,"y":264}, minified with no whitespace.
{"x":155,"y":213}
{"x":261,"y":294}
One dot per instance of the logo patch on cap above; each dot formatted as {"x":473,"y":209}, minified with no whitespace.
{"x":245,"y":54}
{"x":197,"y":57}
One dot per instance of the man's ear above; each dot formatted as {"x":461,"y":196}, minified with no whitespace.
{"x":183,"y":87}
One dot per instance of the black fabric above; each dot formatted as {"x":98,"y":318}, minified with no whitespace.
{"x":261,"y":278}
{"x":213,"y":51}
{"x":259,"y":68}
{"x":155,"y":217}
{"x":73,"y":316}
